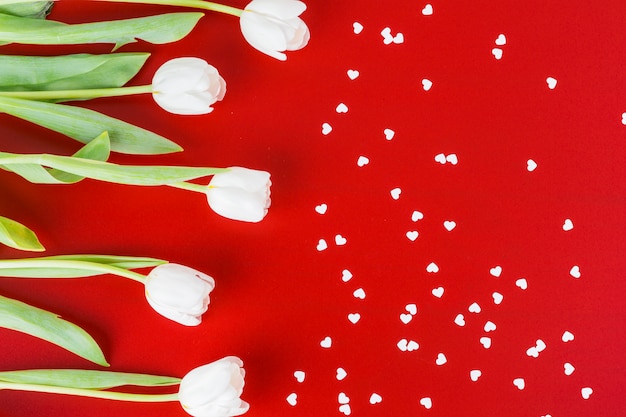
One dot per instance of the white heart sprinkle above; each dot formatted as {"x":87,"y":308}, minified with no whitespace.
{"x":321,"y":245}
{"x":292,"y":399}
{"x":427,"y":10}
{"x":341,"y":374}
{"x":326,"y":128}
{"x":486,"y":342}
{"x":412,"y":235}
{"x":354,"y":317}
{"x":402,"y":344}
{"x":395,"y":193}
{"x":551,"y":83}
{"x":426,"y":84}
{"x":346,"y":275}
{"x":475,"y":374}
{"x":398,"y":39}
{"x":547,"y":415}
{"x":412,"y":345}
{"x":426,"y":402}
{"x":299,"y":375}
{"x":441,"y":158}
{"x":417,"y":215}
{"x":490,"y":326}
{"x":345,"y":409}
{"x":501,"y":40}
{"x":411,"y":308}
{"x":405,"y":318}
{"x":386,"y":34}
{"x":327,"y":342}
{"x":342,"y":398}
{"x":341,"y":108}
{"x":432,"y":268}
{"x":519,"y":383}
{"x":575,"y":271}
{"x":321,"y":209}
{"x":389,"y":134}
{"x":437,"y":292}
{"x":568,"y":368}
{"x":474,"y":308}
{"x":459,"y":320}
{"x":449,"y":225}
{"x":357,"y":28}
{"x":532,"y":351}
{"x":359,"y":293}
{"x":340,"y":240}
{"x":567,"y":336}
{"x":441,"y":359}
{"x":531,"y":165}
{"x":568,"y":225}
{"x":353,"y":74}
{"x":362,"y":161}
{"x":375,"y":398}
{"x":522,"y":283}
{"x":586,"y":393}
{"x":497,"y":53}
{"x":496,"y":271}
{"x":452,"y":158}
{"x":540,"y":345}
{"x":497,"y":297}
{"x":624,"y":118}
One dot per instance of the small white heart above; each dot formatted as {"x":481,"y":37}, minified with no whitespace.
{"x":531,"y":165}
{"x":567,"y":336}
{"x":489,"y":326}
{"x":386,"y":34}
{"x":449,"y":225}
{"x":357,"y":28}
{"x":586,"y":393}
{"x":341,"y":108}
{"x":417,"y":215}
{"x":362,"y":161}
{"x":426,"y":402}
{"x":575,"y":271}
{"x":568,"y":368}
{"x":624,"y":118}
{"x":568,"y":225}
{"x":437,"y":292}
{"x":497,"y":53}
{"x":475,"y":374}
{"x":412,"y":235}
{"x":532,"y":351}
{"x":497,"y":297}
{"x":326,"y":128}
{"x":405,"y":318}
{"x":398,"y":39}
{"x":389,"y":134}
{"x":402,"y":345}
{"x":426,"y":84}
{"x":292,"y":399}
{"x":353,"y":74}
{"x":522,"y":283}
{"x":395,"y":193}
{"x":375,"y":398}
{"x":519,"y":383}
{"x":486,"y":342}
{"x":340,"y":240}
{"x":474,"y":308}
{"x":321,"y":245}
{"x":411,"y":308}
{"x":432,"y":268}
{"x":496,"y":271}
{"x":441,"y":158}
{"x":501,"y":40}
{"x":359,"y":293}
{"x":427,"y":10}
{"x":342,"y":398}
{"x":326,"y":342}
{"x":412,"y":345}
{"x":341,"y":374}
{"x":452,"y":158}
{"x":354,"y":317}
{"x":459,"y":320}
{"x":346,"y":275}
{"x":551,"y":83}
{"x":299,"y":375}
{"x":321,"y":209}
{"x":441,"y":359}
{"x":540,"y":345}
{"x":345,"y":409}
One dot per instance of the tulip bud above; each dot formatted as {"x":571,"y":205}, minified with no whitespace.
{"x":179,"y":293}
{"x":214,"y":390}
{"x":240,"y":194}
{"x":273,"y":26}
{"x":187,"y":86}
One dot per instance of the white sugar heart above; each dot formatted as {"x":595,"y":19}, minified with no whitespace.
{"x":389,"y":134}
{"x":299,"y":375}
{"x":432,"y":268}
{"x":624,"y":118}
{"x":474,"y":308}
{"x":586,"y":393}
{"x":568,"y":368}
{"x":567,"y":336}
{"x":427,"y":10}
{"x":426,"y":84}
{"x":359,"y":293}
{"x":519,"y":383}
{"x":540,"y":345}
{"x":353,"y":74}
{"x":437,"y":292}
{"x":398,"y":39}
{"x":357,"y":28}
{"x":501,"y":40}
{"x":386,"y":34}
{"x":496,"y":271}
{"x":568,"y":225}
{"x":412,"y":235}
{"x":532,"y":351}
{"x":459,"y":320}
{"x":346,"y":275}
{"x":497,"y":53}
{"x":497,"y":297}
{"x":531,"y":165}
{"x":402,"y":344}
{"x":412,"y":345}
{"x":522,"y":283}
{"x":326,"y":128}
{"x":354,"y":317}
{"x":340,"y":240}
{"x":341,"y":108}
{"x":489,"y":326}
{"x":321,"y":209}
{"x":375,"y":398}
{"x":575,"y":271}
{"x":547,"y":415}
{"x":411,"y":308}
{"x":321,"y":245}
{"x":449,"y":225}
{"x":405,"y":318}
{"x":441,"y":359}
{"x":551,"y":83}
{"x":417,"y":215}
{"x":486,"y":342}
{"x":441,"y":158}
{"x":292,"y":399}
{"x":475,"y":374}
{"x":342,"y":398}
{"x":341,"y":374}
{"x":427,"y":402}
{"x":452,"y":158}
{"x":395,"y":193}
{"x":345,"y":409}
{"x":326,"y":342}
{"x":362,"y":161}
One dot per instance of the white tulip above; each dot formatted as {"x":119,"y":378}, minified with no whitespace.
{"x":179,"y":293}
{"x":187,"y":86}
{"x":240,"y":194}
{"x":214,"y":390}
{"x":273,"y":26}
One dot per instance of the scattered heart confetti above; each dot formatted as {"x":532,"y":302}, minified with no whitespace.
{"x":575,"y":271}
{"x":342,"y":398}
{"x":411,"y":308}
{"x":486,"y":342}
{"x":496,"y":271}
{"x":321,"y":209}
{"x":474,"y":308}
{"x":519,"y":383}
{"x":345,"y":409}
{"x":426,"y":84}
{"x":568,"y":225}
{"x":375,"y":398}
{"x":489,"y":326}
{"x":531,"y":165}
{"x":417,"y":215}
{"x":362,"y":161}
{"x":567,"y":336}
{"x":340,"y":240}
{"x":359,"y":293}
{"x":427,"y":10}
{"x":522,"y":283}
{"x":441,"y":158}
{"x":497,"y":53}
{"x":540,"y":345}
{"x":353,"y":74}
{"x":437,"y":292}
{"x":341,"y":108}
{"x":346,"y":275}
{"x":357,"y":28}
{"x":624,"y":118}
{"x":551,"y":83}
{"x":568,"y":368}
{"x":405,"y":318}
{"x":322,"y":245}
{"x":432,"y":268}
{"x":388,"y":38}
{"x":449,"y":225}
{"x":497,"y":297}
{"x":292,"y":399}
{"x":299,"y":375}
{"x":586,"y":392}
{"x":395,"y":193}
{"x":412,"y":235}
{"x":389,"y":134}
{"x":402,"y":344}
{"x":327,"y":342}
{"x":412,"y":345}
{"x":475,"y":374}
{"x":354,"y":317}
{"x":341,"y":374}
{"x":427,"y":402}
{"x":459,"y":320}
{"x":452,"y":158}
{"x":533,"y":352}
{"x":501,"y":40}
{"x":441,"y":359}
{"x":326,"y":128}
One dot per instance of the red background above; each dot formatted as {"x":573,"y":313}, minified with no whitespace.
{"x":277,"y":296}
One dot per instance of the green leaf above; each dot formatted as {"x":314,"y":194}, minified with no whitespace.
{"x":68,"y":72}
{"x":84,"y":125}
{"x":18,"y":236}
{"x":86,"y":379}
{"x":34,"y":9}
{"x":36,"y":322}
{"x":158,"y":29}
{"x":125,"y":262}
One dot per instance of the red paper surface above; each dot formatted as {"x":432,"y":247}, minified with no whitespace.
{"x":278,"y":296}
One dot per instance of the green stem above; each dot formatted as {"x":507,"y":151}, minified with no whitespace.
{"x":190,"y":186}
{"x":72,"y":265}
{"x":108,"y":395}
{"x":196,"y":4}
{"x":77,"y":94}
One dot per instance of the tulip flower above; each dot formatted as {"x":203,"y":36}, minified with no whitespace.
{"x":240,"y":194}
{"x":179,"y":293}
{"x":214,"y":390}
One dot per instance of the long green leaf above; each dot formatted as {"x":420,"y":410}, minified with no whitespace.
{"x":68,"y":72}
{"x":125,"y":262}
{"x":158,"y":29}
{"x":18,"y":236}
{"x":87,"y":379}
{"x":36,"y":322}
{"x":84,"y":125}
